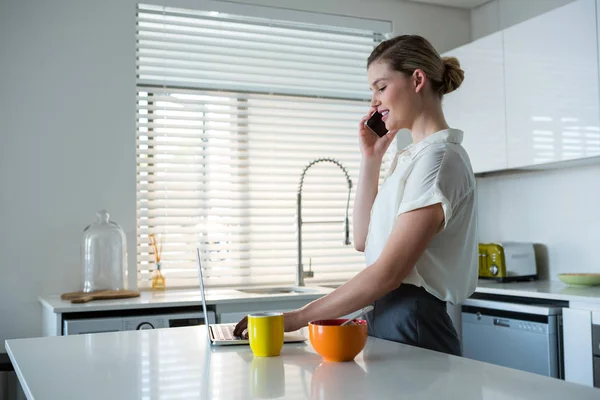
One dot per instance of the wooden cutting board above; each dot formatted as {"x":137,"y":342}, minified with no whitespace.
{"x":83,"y":297}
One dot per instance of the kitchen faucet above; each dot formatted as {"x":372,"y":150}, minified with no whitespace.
{"x":300,"y":273}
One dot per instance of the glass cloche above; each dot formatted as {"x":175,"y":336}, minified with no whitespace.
{"x":104,"y":253}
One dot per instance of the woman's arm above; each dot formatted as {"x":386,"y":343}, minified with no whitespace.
{"x":372,"y":148}
{"x":410,"y":237}
{"x":366,"y":191}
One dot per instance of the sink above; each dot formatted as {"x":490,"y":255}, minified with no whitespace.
{"x":277,"y":290}
{"x":333,"y":286}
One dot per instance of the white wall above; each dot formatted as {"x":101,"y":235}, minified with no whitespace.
{"x":500,"y":14}
{"x":68,"y":144}
{"x":559,"y":209}
{"x":67,"y":126}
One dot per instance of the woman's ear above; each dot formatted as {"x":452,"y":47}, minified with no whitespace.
{"x":419,"y":78}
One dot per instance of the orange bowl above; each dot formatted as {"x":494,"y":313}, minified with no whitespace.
{"x":337,"y":343}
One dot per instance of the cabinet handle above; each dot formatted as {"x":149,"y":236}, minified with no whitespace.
{"x":501,"y":322}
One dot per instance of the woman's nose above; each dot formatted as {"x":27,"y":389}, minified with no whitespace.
{"x":374,"y":102}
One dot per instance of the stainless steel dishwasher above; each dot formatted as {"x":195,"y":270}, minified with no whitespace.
{"x":527,"y":337}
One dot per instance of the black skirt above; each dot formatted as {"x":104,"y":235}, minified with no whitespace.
{"x":411,"y":315}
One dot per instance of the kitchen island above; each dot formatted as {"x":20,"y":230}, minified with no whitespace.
{"x":178,"y":363}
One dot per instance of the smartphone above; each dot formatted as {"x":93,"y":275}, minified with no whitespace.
{"x":377,"y":125}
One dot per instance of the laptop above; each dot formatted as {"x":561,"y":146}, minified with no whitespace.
{"x":222,"y":334}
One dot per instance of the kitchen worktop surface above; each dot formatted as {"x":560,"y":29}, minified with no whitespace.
{"x":543,"y":289}
{"x":179,"y":298}
{"x":191,"y":297}
{"x":178,"y":363}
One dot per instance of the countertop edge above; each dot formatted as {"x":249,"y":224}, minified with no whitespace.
{"x":18,"y":372}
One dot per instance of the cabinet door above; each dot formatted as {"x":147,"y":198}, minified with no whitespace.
{"x":551,"y":72}
{"x":577,"y":339}
{"x":477,"y":107}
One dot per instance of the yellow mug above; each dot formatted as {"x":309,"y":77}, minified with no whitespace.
{"x":265,"y":333}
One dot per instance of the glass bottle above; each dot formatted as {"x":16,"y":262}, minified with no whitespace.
{"x":104,"y":253}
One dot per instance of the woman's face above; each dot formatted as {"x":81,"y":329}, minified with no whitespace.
{"x":394,"y":95}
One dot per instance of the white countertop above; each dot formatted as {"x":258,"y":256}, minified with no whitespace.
{"x":191,"y":297}
{"x":177,"y":298}
{"x":542,"y":289}
{"x":178,"y":363}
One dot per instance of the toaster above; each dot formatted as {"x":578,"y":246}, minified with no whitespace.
{"x":507,"y":261}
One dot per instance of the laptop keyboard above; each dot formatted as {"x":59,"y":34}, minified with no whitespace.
{"x":224,"y":332}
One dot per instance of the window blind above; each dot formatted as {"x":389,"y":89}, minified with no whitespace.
{"x":230,"y":110}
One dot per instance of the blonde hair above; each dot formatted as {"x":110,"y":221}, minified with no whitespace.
{"x":406,"y":53}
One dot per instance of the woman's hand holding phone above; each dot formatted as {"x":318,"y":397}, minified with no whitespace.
{"x":371,"y":145}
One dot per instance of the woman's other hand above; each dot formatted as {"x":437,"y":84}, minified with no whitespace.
{"x":371,"y":145}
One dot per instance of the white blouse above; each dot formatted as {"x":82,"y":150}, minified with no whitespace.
{"x":435,"y":170}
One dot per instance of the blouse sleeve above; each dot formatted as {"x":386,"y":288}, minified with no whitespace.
{"x":428,"y":184}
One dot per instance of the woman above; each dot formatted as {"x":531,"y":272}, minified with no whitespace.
{"x":418,"y":230}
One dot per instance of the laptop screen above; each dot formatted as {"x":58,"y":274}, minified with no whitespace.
{"x":199,"y":262}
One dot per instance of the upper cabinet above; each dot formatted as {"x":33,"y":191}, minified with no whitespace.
{"x":477,"y":107}
{"x":551,"y":77}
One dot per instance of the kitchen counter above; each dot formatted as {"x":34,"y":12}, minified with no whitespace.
{"x":542,"y":289}
{"x":177,"y":298}
{"x":191,"y":297}
{"x":179,"y":363}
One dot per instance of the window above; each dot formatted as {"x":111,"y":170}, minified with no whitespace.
{"x":230,"y":111}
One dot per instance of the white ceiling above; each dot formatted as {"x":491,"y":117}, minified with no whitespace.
{"x":468,"y":4}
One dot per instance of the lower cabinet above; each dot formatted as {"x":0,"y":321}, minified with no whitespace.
{"x":492,"y":331}
{"x":578,"y":345}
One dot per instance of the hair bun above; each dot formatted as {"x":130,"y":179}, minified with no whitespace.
{"x":453,"y":74}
